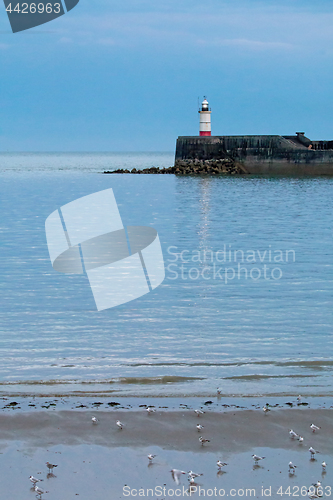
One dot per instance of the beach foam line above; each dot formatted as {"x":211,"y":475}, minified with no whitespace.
{"x":167,"y":379}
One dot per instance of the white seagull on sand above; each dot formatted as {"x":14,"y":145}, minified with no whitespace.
{"x":313,"y":452}
{"x":94,"y":420}
{"x":317,"y":485}
{"x":293,"y":434}
{"x":203,"y":440}
{"x":34,"y":480}
{"x":219,"y":391}
{"x":151,"y":457}
{"x":265,"y":409}
{"x":324,"y":464}
{"x":299,"y":398}
{"x":39,"y":491}
{"x":300,"y":439}
{"x":312,"y":494}
{"x":150,"y":410}
{"x":220,"y":464}
{"x":292,"y":467}
{"x":256,"y":458}
{"x":119,"y":424}
{"x":314,"y":427}
{"x":199,"y":412}
{"x":192,"y":475}
{"x":199,"y":427}
{"x":50,"y":466}
{"x":176,"y":474}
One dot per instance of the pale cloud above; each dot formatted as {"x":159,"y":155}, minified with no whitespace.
{"x":250,"y":26}
{"x":65,"y":39}
{"x":192,"y":25}
{"x":106,"y":41}
{"x":247,"y":44}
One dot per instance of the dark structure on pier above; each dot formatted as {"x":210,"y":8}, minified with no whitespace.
{"x":260,"y":154}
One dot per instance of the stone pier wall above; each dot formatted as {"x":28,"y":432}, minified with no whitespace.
{"x":260,"y":154}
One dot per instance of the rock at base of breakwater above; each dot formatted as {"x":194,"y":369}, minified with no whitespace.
{"x":190,"y":167}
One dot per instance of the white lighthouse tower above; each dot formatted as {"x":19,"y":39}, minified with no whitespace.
{"x":205,"y":128}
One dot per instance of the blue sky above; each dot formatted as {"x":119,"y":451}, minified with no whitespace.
{"x":125,"y":76}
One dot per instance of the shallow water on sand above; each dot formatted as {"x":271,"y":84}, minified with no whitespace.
{"x":218,"y":320}
{"x":99,"y":472}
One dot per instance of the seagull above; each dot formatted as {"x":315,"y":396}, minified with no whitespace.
{"x":265,"y":409}
{"x":221,"y":464}
{"x":313,"y":452}
{"x":256,"y":458}
{"x":292,"y":467}
{"x":203,"y":440}
{"x":120,"y":425}
{"x":176,"y":474}
{"x":293,"y":434}
{"x":94,"y":420}
{"x":34,"y":480}
{"x":151,"y":457}
{"x":199,"y":427}
{"x":300,"y":439}
{"x":199,"y":412}
{"x":193,"y":475}
{"x":317,"y":485}
{"x":323,"y":464}
{"x":50,"y":466}
{"x":39,"y":491}
{"x":150,"y":410}
{"x":312,"y":495}
{"x":314,"y":427}
{"x":219,"y":391}
{"x":299,"y":398}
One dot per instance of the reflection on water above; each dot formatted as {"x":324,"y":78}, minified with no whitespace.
{"x":198,"y":330}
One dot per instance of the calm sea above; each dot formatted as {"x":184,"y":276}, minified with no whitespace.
{"x":246,"y":304}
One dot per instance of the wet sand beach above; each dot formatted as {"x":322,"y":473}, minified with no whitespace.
{"x":100,"y":461}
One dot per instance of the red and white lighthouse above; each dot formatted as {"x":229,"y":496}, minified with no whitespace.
{"x":205,"y":119}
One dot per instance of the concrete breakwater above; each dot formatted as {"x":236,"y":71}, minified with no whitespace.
{"x":257,"y":154}
{"x":262,"y":154}
{"x":221,"y":166}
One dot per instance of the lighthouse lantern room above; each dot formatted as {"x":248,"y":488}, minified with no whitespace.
{"x":205,"y":128}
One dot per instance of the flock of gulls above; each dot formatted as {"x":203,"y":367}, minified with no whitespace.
{"x":34,"y":480}
{"x":314,"y":491}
